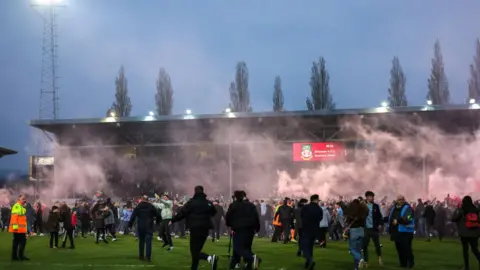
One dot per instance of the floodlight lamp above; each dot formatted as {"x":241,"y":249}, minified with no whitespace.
{"x":384,"y":104}
{"x":228,"y":110}
{"x":49,"y":2}
{"x":429,"y":102}
{"x":475,"y":106}
{"x":471,"y":101}
{"x":151,"y":113}
{"x":188,"y":111}
{"x":112,"y":113}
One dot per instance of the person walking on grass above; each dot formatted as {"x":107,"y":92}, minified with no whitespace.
{"x":466,"y":216}
{"x":145,"y":214}
{"x":198,"y":212}
{"x":165,"y":205}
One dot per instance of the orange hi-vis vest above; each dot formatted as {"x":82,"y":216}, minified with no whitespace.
{"x":18,"y":219}
{"x":276,"y":218}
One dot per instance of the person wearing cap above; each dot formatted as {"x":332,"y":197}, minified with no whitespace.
{"x":401,"y":225}
{"x":198,"y":213}
{"x":373,"y":227}
{"x":145,"y":214}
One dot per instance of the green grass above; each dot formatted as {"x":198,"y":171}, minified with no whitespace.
{"x":123,"y":255}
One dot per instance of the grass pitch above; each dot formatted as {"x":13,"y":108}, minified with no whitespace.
{"x":123,"y":254}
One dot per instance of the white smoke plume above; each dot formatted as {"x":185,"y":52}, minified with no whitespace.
{"x":262,"y":165}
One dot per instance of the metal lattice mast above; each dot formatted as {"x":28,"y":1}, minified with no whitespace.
{"x":48,"y":108}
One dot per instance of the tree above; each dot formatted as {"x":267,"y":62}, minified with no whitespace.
{"x":438,"y":92}
{"x":164,"y":95}
{"x":396,"y":92}
{"x":277,"y":95}
{"x":239,"y":93}
{"x":321,"y":98}
{"x":122,"y":105}
{"x":474,"y":81}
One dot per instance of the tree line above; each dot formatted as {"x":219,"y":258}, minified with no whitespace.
{"x":320,"y":97}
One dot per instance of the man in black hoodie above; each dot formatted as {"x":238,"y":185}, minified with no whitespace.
{"x":311,"y":216}
{"x":146,"y":214}
{"x":242,"y":217}
{"x":285,"y":213}
{"x":198,"y":212}
{"x":298,"y":224}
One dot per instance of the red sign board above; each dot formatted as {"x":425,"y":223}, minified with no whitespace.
{"x":317,"y":151}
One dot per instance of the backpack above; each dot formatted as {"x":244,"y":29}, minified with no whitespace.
{"x":472,"y":221}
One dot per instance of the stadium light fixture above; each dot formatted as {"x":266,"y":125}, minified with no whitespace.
{"x":228,"y":110}
{"x":188,"y":111}
{"x":429,"y":102}
{"x":112,"y":113}
{"x":49,"y":2}
{"x":384,"y":104}
{"x":475,"y":106}
{"x":151,"y":113}
{"x":471,"y":101}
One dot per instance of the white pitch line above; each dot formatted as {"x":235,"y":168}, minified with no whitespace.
{"x":109,"y":265}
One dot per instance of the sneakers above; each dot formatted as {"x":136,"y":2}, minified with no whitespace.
{"x":159,"y":238}
{"x":380,"y":261}
{"x":170,"y":248}
{"x":256,"y":262}
{"x":214,"y":261}
{"x":361,"y":264}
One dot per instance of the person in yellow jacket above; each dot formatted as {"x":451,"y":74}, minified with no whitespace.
{"x":18,"y":226}
{"x":277,"y":225}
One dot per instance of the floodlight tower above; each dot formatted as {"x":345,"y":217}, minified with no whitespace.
{"x":48,"y":108}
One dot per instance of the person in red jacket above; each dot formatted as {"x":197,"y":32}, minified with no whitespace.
{"x":74,"y":221}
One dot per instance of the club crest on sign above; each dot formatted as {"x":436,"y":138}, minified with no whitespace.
{"x":307,"y":153}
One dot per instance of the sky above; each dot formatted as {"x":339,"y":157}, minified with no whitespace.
{"x":200,"y":42}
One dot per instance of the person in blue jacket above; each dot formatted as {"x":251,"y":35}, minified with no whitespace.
{"x":401,"y":226}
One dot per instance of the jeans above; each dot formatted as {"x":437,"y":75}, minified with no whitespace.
{"x":145,"y":244}
{"x":355,"y":243}
{"x":421,"y":227}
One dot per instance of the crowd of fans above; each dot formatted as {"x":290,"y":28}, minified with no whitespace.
{"x":433,"y":217}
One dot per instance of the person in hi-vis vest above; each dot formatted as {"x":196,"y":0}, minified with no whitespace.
{"x":18,"y":226}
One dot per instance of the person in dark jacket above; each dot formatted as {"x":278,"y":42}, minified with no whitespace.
{"x":38,"y":226}
{"x":242,"y":217}
{"x":84,"y":217}
{"x":30,"y":218}
{"x":298,"y":223}
{"x":468,"y":235}
{"x":311,"y":216}
{"x":145,"y":214}
{"x":429,"y":215}
{"x":217,"y":220}
{"x":419,"y":218}
{"x":198,"y":212}
{"x":401,"y":224}
{"x":98,"y":217}
{"x":285,"y":215}
{"x":66,"y":218}
{"x":53,"y":226}
{"x":356,"y":216}
{"x":440,"y":220}
{"x":373,"y":227}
